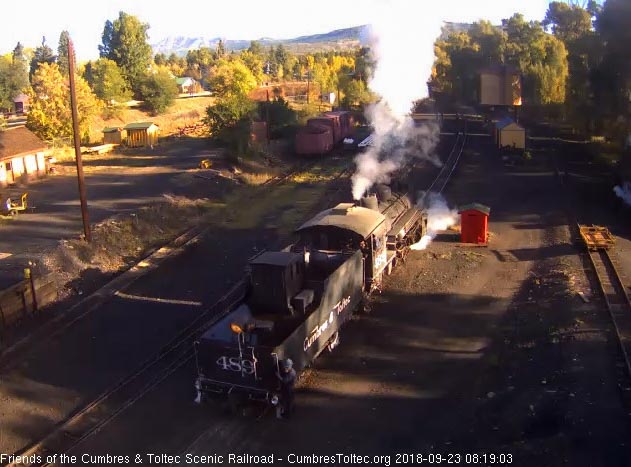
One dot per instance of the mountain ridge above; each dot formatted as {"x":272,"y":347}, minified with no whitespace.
{"x":339,"y":38}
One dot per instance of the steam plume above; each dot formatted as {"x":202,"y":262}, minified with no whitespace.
{"x":624,"y":192}
{"x":402,"y":47}
{"x":439,"y":218}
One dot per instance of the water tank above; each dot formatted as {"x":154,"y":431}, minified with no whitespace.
{"x":370,"y":202}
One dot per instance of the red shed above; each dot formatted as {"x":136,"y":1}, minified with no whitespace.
{"x":474,"y":220}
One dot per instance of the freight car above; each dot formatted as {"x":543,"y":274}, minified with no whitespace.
{"x":312,"y":139}
{"x":298,"y":298}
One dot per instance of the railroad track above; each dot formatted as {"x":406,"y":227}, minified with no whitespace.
{"x":448,"y":168}
{"x":76,"y":428}
{"x":616,"y":297}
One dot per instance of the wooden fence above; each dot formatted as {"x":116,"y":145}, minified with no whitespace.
{"x":19,"y":302}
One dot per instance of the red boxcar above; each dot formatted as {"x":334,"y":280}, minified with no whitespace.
{"x":345,"y":119}
{"x":331,"y":122}
{"x":314,"y":139}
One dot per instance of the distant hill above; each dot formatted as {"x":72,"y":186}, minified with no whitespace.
{"x":340,"y":39}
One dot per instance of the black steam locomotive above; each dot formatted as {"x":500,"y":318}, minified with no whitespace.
{"x":298,"y":298}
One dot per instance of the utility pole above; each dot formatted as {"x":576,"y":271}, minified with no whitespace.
{"x":267,"y":119}
{"x":308,"y":84}
{"x":77,"y":144}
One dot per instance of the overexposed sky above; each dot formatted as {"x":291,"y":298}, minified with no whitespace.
{"x":28,"y":21}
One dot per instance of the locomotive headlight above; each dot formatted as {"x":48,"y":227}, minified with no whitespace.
{"x":274,"y":400}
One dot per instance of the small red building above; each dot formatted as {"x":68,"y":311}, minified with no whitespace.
{"x":474,"y":221}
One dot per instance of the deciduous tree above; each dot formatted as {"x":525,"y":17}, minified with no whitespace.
{"x":158,"y":90}
{"x":231,"y":78}
{"x":107,"y":81}
{"x":50,"y":113}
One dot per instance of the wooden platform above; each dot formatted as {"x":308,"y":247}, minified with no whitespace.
{"x":596,"y":237}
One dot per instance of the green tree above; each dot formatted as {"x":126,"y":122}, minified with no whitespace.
{"x":106,"y":80}
{"x":12,"y":81}
{"x":50,"y":113}
{"x":159,"y":91}
{"x":231,"y":78}
{"x":256,"y":48}
{"x":573,"y":25}
{"x":221,"y":49}
{"x":254,"y":63}
{"x":125,"y":41}
{"x":229,"y":121}
{"x":354,"y":92}
{"x":62,"y":53}
{"x":160,"y":59}
{"x":277,"y":113}
{"x":199,"y":63}
{"x":612,"y":77}
{"x":42,"y":54}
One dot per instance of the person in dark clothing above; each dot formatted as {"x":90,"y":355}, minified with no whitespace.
{"x":287,"y":378}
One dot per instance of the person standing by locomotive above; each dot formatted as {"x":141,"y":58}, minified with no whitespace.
{"x":287,"y":378}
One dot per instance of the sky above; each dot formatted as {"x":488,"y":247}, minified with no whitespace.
{"x":236,"y":19}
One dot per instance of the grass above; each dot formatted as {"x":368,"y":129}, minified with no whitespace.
{"x":123,"y":239}
{"x":182,"y":113}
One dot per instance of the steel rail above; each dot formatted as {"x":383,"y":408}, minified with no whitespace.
{"x":123,"y":394}
{"x":90,"y":418}
{"x":616,"y":299}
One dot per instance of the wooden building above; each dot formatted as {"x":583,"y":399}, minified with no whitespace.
{"x":474,"y":223}
{"x":141,"y":134}
{"x":21,"y":156}
{"x":510,"y":134}
{"x":21,"y":103}
{"x":187,"y":85}
{"x":114,"y":135}
{"x":500,"y":85}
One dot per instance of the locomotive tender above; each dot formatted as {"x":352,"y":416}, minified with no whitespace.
{"x":298,"y":298}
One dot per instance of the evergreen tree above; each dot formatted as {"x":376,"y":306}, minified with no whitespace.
{"x":62,"y":53}
{"x":221,"y":49}
{"x":42,"y":54}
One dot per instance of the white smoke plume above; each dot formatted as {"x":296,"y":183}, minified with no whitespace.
{"x":439,"y":217}
{"x":624,"y":192}
{"x":402,"y":46}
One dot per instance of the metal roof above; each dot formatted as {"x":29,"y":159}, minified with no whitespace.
{"x":347,"y":216}
{"x":276,"y":258}
{"x":112,"y":129}
{"x":139,"y":126}
{"x":184,"y":80}
{"x":504,"y":122}
{"x":475,"y":207}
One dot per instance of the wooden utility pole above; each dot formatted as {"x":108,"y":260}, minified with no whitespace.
{"x":308,"y":84}
{"x":77,"y":144}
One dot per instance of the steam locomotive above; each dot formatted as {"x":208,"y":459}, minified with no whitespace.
{"x":298,"y":298}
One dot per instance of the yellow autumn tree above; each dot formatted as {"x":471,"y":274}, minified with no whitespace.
{"x":50,"y":115}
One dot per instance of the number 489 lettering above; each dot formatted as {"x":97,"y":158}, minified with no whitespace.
{"x":236,"y":364}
